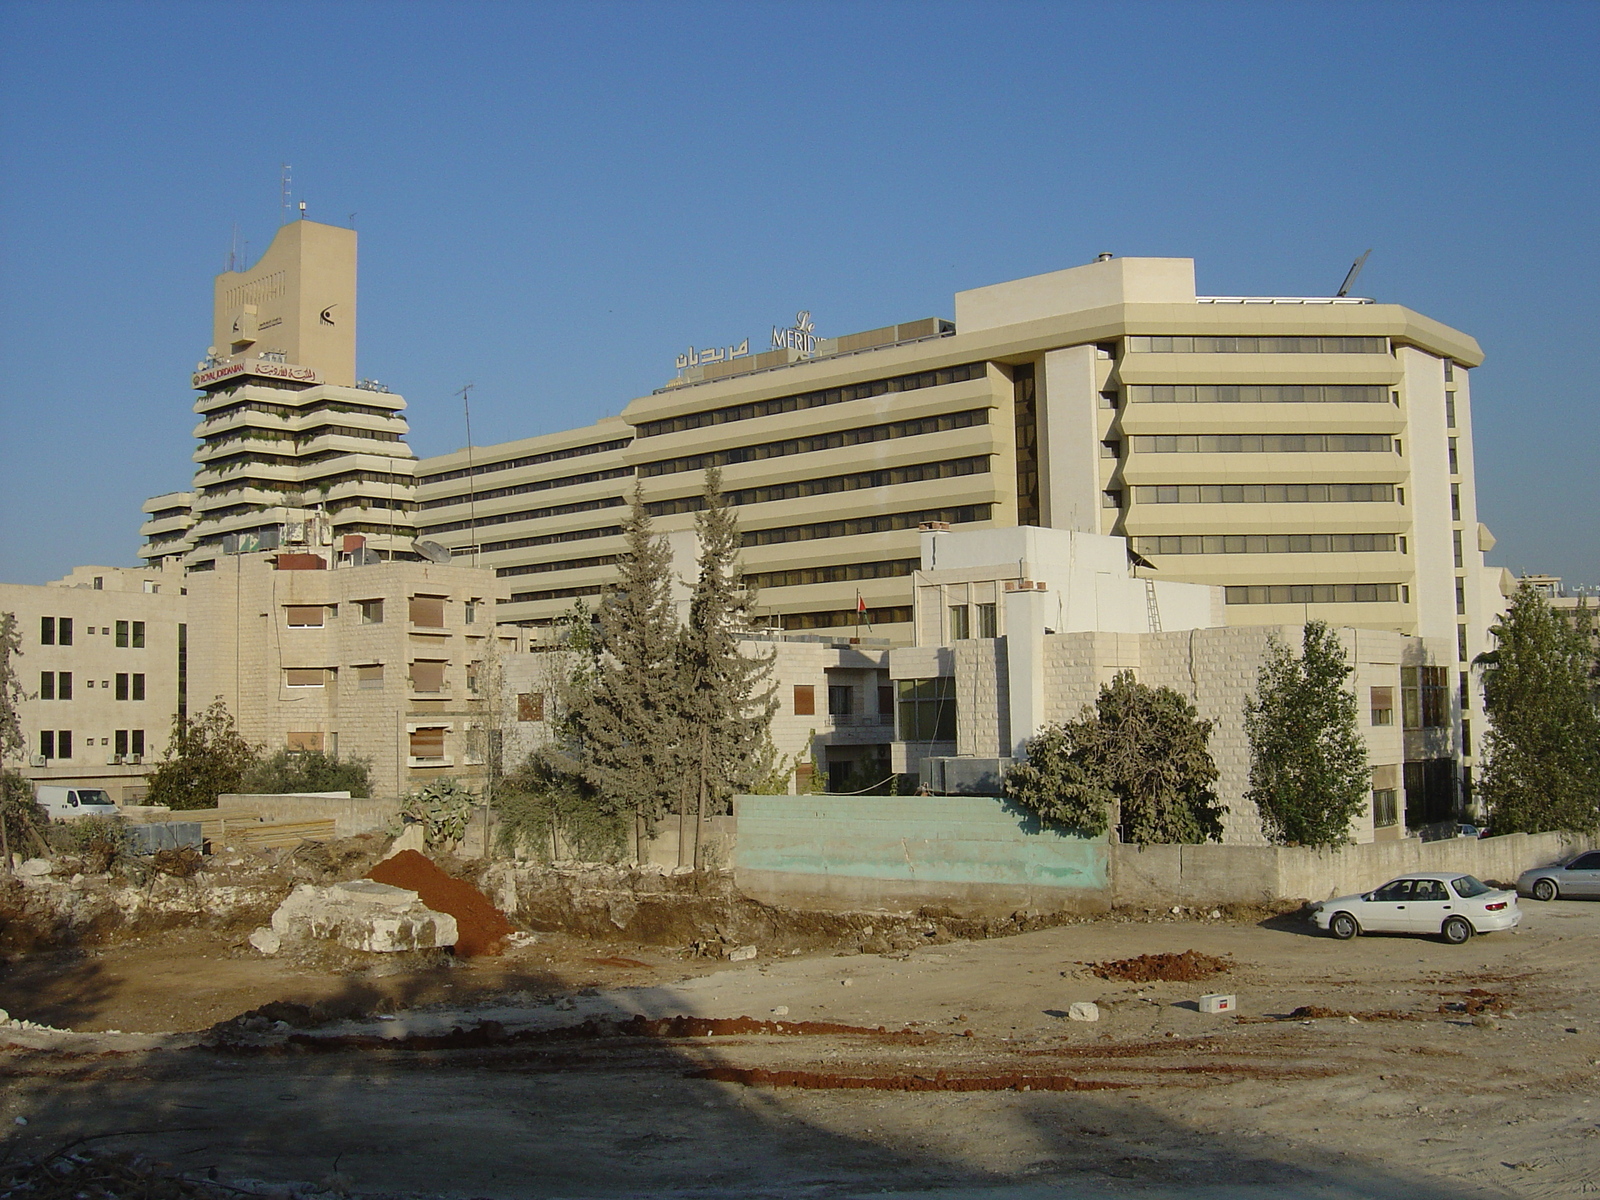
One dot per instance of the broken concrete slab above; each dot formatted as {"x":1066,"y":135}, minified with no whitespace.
{"x":360,"y":914}
{"x":1083,"y":1010}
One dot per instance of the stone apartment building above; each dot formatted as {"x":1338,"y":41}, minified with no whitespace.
{"x":103,"y":667}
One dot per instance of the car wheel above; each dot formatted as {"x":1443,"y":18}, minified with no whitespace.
{"x":1457,"y":930}
{"x":1343,"y":926}
{"x":1544,"y":889}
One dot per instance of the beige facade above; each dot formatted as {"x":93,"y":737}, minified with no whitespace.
{"x":381,"y":662}
{"x":102,"y":671}
{"x":293,"y":448}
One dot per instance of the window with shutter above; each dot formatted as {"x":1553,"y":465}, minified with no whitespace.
{"x":805,"y":700}
{"x":304,"y":616}
{"x":428,"y":742}
{"x":427,"y":611}
{"x":427,"y":676}
{"x":305,"y":677}
{"x":530,"y":706}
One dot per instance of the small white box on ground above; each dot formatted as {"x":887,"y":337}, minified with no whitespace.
{"x":1216,"y":1003}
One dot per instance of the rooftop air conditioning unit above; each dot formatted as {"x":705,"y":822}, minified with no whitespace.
{"x":114,"y":760}
{"x":36,"y":760}
{"x":135,"y":760}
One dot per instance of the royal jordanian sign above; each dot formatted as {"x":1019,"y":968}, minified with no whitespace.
{"x":211,"y":376}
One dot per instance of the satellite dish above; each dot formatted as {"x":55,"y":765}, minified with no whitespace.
{"x":432,"y":551}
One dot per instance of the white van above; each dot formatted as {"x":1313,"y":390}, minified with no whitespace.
{"x":67,"y":801}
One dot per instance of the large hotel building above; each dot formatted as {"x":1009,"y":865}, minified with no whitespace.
{"x":1310,"y":456}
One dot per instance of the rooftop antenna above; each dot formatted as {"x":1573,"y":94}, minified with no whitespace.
{"x":472,"y":482}
{"x":233,"y":249}
{"x":283,"y":195}
{"x":352,"y":220}
{"x":1355,"y":269}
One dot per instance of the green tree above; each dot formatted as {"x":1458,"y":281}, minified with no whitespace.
{"x":621,"y":733}
{"x":1541,"y":767}
{"x":11,"y":741}
{"x":1309,"y":776}
{"x":725,"y":698}
{"x":1137,"y":759}
{"x":20,"y":818}
{"x":204,"y":759}
{"x":307,"y":771}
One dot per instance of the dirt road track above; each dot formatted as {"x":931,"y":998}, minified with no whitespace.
{"x":1411,"y":1099}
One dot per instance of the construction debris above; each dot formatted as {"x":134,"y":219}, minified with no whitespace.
{"x":358,"y":915}
{"x":479,"y":927}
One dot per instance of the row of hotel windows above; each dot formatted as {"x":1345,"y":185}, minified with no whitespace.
{"x":57,"y":631}
{"x":1261,"y":443}
{"x":1258,"y":345}
{"x":817,"y":399}
{"x":822,"y":441}
{"x":286,"y":413}
{"x":1269,"y":493}
{"x":527,"y":514}
{"x":1269,"y":543}
{"x":915,"y":473}
{"x":57,"y":685}
{"x":522,"y":489}
{"x":1250,"y":393}
{"x":57,"y":743}
{"x":1319,"y":593}
{"x":527,"y":460}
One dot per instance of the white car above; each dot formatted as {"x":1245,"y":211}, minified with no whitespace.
{"x":1448,"y":903}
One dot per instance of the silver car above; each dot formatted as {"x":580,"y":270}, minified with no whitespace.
{"x":1448,"y":903}
{"x":1579,"y":876}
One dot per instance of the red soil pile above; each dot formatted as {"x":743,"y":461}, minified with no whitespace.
{"x":1188,"y":967}
{"x":481,"y":927}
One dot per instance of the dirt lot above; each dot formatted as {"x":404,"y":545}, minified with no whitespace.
{"x":1413,"y":1069}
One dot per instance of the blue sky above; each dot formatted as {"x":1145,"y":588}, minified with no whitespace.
{"x":554,"y":200}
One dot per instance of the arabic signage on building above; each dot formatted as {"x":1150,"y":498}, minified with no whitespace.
{"x":715,"y":354}
{"x":212,"y":376}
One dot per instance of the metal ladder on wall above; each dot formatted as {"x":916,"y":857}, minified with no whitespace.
{"x":1151,"y":607}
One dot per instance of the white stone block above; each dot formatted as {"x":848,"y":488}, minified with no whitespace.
{"x":1083,"y":1010}
{"x":1217,"y":1003}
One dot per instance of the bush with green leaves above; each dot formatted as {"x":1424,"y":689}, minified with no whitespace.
{"x":1309,"y":776}
{"x":1136,"y":759}
{"x":307,"y":771}
{"x":545,"y":813}
{"x":443,"y":807}
{"x":22,"y":820}
{"x":100,"y":841}
{"x":205,"y":758}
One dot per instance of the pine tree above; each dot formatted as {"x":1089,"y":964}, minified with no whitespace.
{"x":1136,"y":759}
{"x":726,"y":700}
{"x":1309,"y":776}
{"x":623,"y":726}
{"x":1542,"y":750}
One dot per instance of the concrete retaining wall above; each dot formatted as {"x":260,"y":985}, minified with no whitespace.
{"x":350,"y":816}
{"x":1157,"y":876}
{"x":903,"y":852}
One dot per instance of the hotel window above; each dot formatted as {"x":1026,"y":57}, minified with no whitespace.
{"x":1450,"y":410}
{"x":1261,"y":443}
{"x":1111,"y":448}
{"x":1466,"y":737}
{"x":1267,"y":493}
{"x":304,"y":616}
{"x":1402,"y":544}
{"x":371,"y":611}
{"x":1424,"y":697}
{"x":370,"y":677}
{"x":988,"y":621}
{"x":1449,"y":371}
{"x":1455,"y":502}
{"x":1461,"y":597}
{"x":959,"y":627}
{"x":1314,"y":593}
{"x":928,"y":709}
{"x":1265,"y":543}
{"x":122,"y":635}
{"x":137,"y":747}
{"x":47,"y":685}
{"x":839,"y":700}
{"x":805,"y":700}
{"x":1461,"y":642}
{"x":1455,"y":538}
{"x":138,"y":685}
{"x":530,"y":706}
{"x":47,"y":631}
{"x":305,"y":677}
{"x":1455,"y":461}
{"x":1251,"y":393}
{"x":427,"y":611}
{"x":427,"y":676}
{"x":119,"y":743}
{"x":1383,"y":706}
{"x":122,"y":686}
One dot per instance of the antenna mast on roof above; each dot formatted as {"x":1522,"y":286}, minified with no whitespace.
{"x":472,"y":482}
{"x":283,"y":195}
{"x":1355,"y":269}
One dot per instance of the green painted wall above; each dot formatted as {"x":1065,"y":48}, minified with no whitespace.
{"x":914,"y":839}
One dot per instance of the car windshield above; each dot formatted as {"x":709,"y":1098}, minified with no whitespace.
{"x":1467,"y":887}
{"x":93,"y":796}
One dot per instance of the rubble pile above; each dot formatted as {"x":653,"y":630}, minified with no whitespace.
{"x":361,"y":914}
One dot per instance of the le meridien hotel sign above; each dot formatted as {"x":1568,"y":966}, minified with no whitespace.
{"x":800,"y":336}
{"x":212,"y":376}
